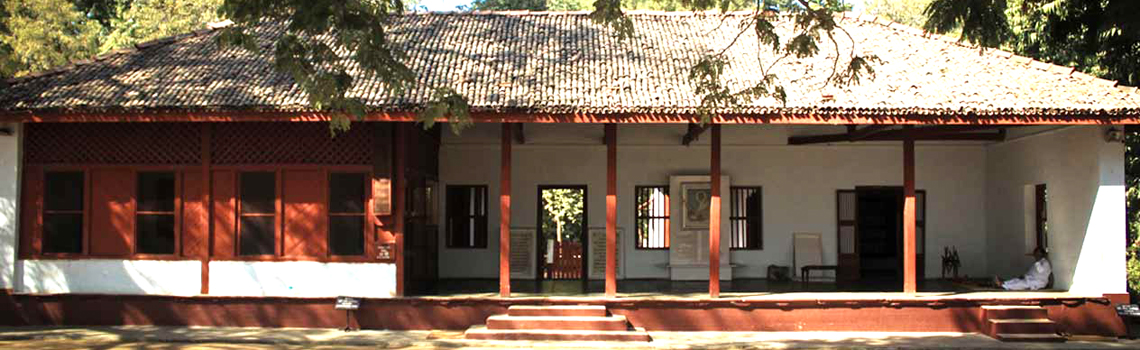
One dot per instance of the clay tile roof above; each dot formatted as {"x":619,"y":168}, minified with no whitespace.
{"x":562,"y":62}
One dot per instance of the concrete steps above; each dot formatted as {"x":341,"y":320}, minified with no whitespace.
{"x":558,"y":323}
{"x":557,"y":310}
{"x":1019,"y":324}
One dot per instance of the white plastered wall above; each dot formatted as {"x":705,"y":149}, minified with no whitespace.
{"x":1084,"y":177}
{"x":799,"y":184}
{"x":9,"y":208}
{"x":111,"y":276}
{"x":309,"y":279}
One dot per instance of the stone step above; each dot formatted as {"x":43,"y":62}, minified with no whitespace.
{"x":557,"y":310}
{"x":584,"y":323}
{"x":482,"y":333}
{"x":1015,"y":337}
{"x":1013,"y":311}
{"x":1022,"y":326}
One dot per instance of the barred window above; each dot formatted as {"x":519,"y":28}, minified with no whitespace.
{"x":747,"y":218}
{"x":652,"y":217}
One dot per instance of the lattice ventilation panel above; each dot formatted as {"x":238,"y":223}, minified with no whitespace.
{"x":112,"y":143}
{"x":290,"y":143}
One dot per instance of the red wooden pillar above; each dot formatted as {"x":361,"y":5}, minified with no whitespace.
{"x":611,"y":210}
{"x":505,"y":213}
{"x":908,"y":218}
{"x":714,"y":216}
{"x":399,"y":187}
{"x":207,"y":189}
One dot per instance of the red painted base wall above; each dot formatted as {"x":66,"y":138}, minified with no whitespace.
{"x":1094,"y":316}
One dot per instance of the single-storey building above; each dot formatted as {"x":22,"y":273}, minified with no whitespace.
{"x":179,"y":182}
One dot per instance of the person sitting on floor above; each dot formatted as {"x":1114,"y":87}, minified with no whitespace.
{"x":1036,"y":278}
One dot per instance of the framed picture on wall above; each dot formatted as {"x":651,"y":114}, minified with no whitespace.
{"x":695,"y":200}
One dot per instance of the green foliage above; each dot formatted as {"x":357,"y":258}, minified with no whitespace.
{"x":563,"y":213}
{"x":143,"y":20}
{"x":1132,"y":200}
{"x":907,"y":12}
{"x":982,"y":22}
{"x":321,"y":41}
{"x":102,"y":11}
{"x":495,"y":5}
{"x":814,"y":23}
{"x":1100,"y":37}
{"x":42,"y":34}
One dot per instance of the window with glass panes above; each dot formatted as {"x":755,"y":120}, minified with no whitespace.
{"x":257,"y":213}
{"x":63,"y":212}
{"x":346,"y":213}
{"x":154,"y":215}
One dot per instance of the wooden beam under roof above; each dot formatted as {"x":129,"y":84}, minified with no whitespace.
{"x":520,"y":137}
{"x":932,"y":133}
{"x":864,"y":132}
{"x":695,"y":131}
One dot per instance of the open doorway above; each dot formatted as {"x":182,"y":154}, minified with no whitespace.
{"x":562,"y":234}
{"x":871,"y":237}
{"x":880,"y":235}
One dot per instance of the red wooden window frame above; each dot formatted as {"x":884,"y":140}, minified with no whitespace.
{"x":642,"y":212}
{"x":240,"y":211}
{"x":363,"y":214}
{"x":279,"y":208}
{"x":89,"y":183}
{"x":41,"y":235}
{"x":175,"y":214}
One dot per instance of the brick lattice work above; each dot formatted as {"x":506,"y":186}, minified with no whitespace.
{"x":112,"y":143}
{"x":290,"y":143}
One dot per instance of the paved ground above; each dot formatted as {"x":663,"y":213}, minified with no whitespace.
{"x":275,"y":338}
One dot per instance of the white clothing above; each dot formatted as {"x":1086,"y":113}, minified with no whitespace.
{"x":1036,"y":278}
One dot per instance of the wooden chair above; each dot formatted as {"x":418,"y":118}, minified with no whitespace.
{"x":807,"y":254}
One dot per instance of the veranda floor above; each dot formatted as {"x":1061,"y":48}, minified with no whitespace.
{"x":741,"y":288}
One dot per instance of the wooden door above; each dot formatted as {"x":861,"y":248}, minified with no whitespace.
{"x":848,"y":235}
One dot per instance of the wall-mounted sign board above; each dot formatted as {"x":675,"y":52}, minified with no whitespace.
{"x":522,"y":252}
{"x":598,"y":253}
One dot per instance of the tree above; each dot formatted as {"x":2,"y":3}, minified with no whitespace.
{"x":1098,"y":37}
{"x":1132,"y":200}
{"x":143,"y":20}
{"x":322,"y":38}
{"x":907,"y":12}
{"x":42,"y":34}
{"x":563,"y":207}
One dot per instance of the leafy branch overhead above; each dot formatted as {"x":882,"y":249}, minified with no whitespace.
{"x":813,"y":24}
{"x":329,"y":45}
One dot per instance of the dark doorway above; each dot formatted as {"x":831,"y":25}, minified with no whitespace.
{"x":871,"y":237}
{"x":562,"y":233}
{"x":880,"y":234}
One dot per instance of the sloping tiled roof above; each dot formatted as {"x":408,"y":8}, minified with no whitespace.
{"x":564,"y":63}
